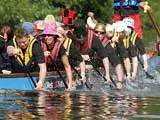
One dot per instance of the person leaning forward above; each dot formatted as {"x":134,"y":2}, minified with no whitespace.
{"x":54,"y":46}
{"x":118,"y":42}
{"x":114,"y":59}
{"x":87,"y":42}
{"x":30,"y":51}
{"x":134,"y":44}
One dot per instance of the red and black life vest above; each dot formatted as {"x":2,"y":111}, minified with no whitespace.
{"x":105,"y":41}
{"x":54,"y":53}
{"x":87,"y":44}
{"x":68,"y":16}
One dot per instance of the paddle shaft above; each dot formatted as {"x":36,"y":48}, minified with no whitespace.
{"x":27,"y":71}
{"x":147,"y":74}
{"x":78,"y":73}
{"x":153,"y":22}
{"x":80,"y":76}
{"x":60,"y":75}
{"x":102,"y":74}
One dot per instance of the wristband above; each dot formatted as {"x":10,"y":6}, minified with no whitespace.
{"x":40,"y":82}
{"x":82,"y":74}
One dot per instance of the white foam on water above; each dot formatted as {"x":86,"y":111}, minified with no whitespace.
{"x":141,"y":86}
{"x":147,"y":116}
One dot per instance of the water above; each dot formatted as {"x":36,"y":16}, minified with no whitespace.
{"x":77,"y":106}
{"x":136,"y":101}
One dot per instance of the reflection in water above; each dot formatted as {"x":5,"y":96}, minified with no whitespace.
{"x":17,"y":107}
{"x":68,"y":103}
{"x":74,"y":106}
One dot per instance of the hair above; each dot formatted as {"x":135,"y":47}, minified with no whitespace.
{"x":20,"y":32}
{"x":8,"y":30}
{"x":80,"y":28}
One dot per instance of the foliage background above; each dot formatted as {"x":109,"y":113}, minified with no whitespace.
{"x":14,"y":12}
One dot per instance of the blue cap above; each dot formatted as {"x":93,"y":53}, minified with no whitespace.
{"x":29,"y":27}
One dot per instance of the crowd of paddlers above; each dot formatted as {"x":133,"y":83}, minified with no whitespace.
{"x":49,"y":45}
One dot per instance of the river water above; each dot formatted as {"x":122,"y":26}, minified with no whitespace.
{"x":136,"y":101}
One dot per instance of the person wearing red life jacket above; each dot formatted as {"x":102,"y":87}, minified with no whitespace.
{"x":56,"y":45}
{"x":130,"y":8}
{"x":106,"y":40}
{"x":68,"y":26}
{"x":68,"y":20}
{"x":88,"y":43}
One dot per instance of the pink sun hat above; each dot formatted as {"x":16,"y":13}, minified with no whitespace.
{"x":50,"y":29}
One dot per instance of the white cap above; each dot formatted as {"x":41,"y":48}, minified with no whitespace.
{"x":119,"y":26}
{"x":90,"y":23}
{"x":129,"y":22}
{"x":109,"y":28}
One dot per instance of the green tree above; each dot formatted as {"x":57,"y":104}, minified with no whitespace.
{"x":14,"y":11}
{"x":17,"y":11}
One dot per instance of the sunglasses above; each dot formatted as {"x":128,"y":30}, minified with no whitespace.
{"x":98,"y":32}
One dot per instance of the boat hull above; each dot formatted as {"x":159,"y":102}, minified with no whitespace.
{"x":20,"y":81}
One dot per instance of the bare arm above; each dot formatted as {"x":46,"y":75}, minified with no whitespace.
{"x":68,"y":69}
{"x":42,"y":75}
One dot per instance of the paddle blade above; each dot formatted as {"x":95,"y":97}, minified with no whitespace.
{"x":149,"y":76}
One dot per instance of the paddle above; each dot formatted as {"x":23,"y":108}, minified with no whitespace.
{"x":78,"y":73}
{"x":27,"y":71}
{"x":102,"y":74}
{"x":147,"y":74}
{"x":80,"y":76}
{"x":153,"y":22}
{"x":57,"y":69}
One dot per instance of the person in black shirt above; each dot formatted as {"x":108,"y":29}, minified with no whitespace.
{"x":31,"y":53}
{"x":114,"y":59}
{"x":135,"y":44}
{"x":57,"y":46}
{"x":5,"y":66}
{"x":87,"y":42}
